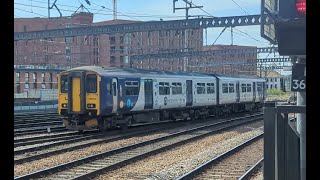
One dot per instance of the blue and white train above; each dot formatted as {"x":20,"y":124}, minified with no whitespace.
{"x":93,"y":97}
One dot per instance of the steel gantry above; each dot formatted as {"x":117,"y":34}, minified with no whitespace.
{"x":179,"y":53}
{"x":146,"y":26}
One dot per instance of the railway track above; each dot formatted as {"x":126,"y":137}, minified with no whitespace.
{"x":28,"y":123}
{"x":47,"y":138}
{"x":76,"y":141}
{"x":39,"y":130}
{"x":251,"y":172}
{"x":92,"y":165}
{"x":231,"y":164}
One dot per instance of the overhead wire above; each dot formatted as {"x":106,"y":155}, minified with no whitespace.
{"x":233,"y":27}
{"x":129,"y":14}
{"x":240,"y":7}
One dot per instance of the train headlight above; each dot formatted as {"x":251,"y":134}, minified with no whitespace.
{"x":91,"y":105}
{"x":64,"y":105}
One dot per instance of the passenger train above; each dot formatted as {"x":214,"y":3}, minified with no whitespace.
{"x":92,"y":97}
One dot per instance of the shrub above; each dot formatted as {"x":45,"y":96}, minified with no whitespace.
{"x":275,"y":92}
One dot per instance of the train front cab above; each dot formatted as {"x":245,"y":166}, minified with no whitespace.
{"x":79,"y":99}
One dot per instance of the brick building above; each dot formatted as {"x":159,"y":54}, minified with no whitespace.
{"x":35,"y":77}
{"x":231,"y":59}
{"x":115,"y":50}
{"x":102,"y":50}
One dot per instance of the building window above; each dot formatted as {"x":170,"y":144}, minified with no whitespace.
{"x":275,"y":79}
{"x":164,"y":88}
{"x":68,"y":49}
{"x":26,"y":75}
{"x":267,"y":86}
{"x":50,"y":77}
{"x":201,"y":88}
{"x":210,"y":88}
{"x":18,"y":76}
{"x":43,"y":78}
{"x":24,"y":28}
{"x":68,"y":58}
{"x":112,"y":49}
{"x":113,"y":60}
{"x":43,"y":85}
{"x":121,"y":39}
{"x":68,"y":40}
{"x":270,"y":79}
{"x":275,"y":86}
{"x":121,"y":49}
{"x":18,"y":87}
{"x":112,"y":39}
{"x":270,"y":86}
{"x":26,"y":86}
{"x":176,"y":88}
{"x":34,"y":77}
{"x":132,"y":88}
{"x":121,"y":60}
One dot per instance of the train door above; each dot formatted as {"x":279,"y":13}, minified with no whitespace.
{"x":115,"y":95}
{"x":264,"y":90}
{"x":254,"y":91}
{"x":76,"y":97}
{"x":189,"y":93}
{"x":237,"y":92}
{"x":148,"y":94}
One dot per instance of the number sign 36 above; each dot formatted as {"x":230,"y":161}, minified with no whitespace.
{"x":298,"y":77}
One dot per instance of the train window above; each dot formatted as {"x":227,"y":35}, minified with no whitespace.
{"x":231,"y":88}
{"x":164,"y":88}
{"x":132,"y":88}
{"x":244,"y":87}
{"x":108,"y":88}
{"x":210,"y":88}
{"x":248,"y":87}
{"x":91,"y":83}
{"x":176,"y":88}
{"x":64,"y":84}
{"x":201,"y":88}
{"x":114,"y":88}
{"x":224,"y":88}
{"x":259,"y":87}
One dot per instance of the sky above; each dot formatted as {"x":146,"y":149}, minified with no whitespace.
{"x":154,"y":10}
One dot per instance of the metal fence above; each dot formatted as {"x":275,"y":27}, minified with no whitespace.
{"x":28,"y":108}
{"x":281,"y":142}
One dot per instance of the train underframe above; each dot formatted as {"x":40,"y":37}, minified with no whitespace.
{"x":91,"y":121}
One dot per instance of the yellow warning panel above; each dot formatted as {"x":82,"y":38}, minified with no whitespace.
{"x":76,"y":105}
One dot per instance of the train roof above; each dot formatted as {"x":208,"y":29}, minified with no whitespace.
{"x":107,"y":71}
